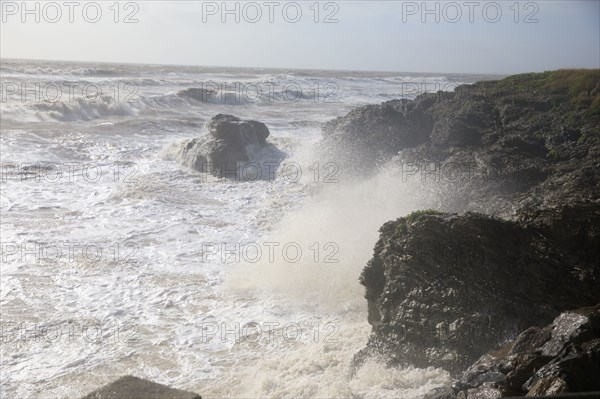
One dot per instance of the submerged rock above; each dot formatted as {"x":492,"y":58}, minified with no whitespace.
{"x":232,"y":148}
{"x":129,"y":387}
{"x":198,"y":94}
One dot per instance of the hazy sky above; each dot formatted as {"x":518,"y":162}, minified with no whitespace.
{"x":469,"y":36}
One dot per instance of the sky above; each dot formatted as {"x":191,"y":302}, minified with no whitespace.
{"x":500,"y":37}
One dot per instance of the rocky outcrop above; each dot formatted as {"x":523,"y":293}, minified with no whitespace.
{"x":129,"y":387}
{"x":442,"y":288}
{"x":369,"y":136}
{"x":232,"y":148}
{"x":526,"y":139}
{"x":561,"y":357}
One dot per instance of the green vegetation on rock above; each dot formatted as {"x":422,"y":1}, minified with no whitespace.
{"x":553,"y":154}
{"x":581,"y":87}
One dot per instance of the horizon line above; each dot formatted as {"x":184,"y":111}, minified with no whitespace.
{"x":273,"y":68}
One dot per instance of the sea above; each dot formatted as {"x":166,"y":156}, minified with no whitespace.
{"x":117,"y":259}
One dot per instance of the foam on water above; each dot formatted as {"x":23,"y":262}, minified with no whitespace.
{"x":318,"y":293}
{"x":163,"y":296}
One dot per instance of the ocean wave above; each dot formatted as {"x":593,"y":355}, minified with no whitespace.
{"x":226,"y":97}
{"x":42,"y":70}
{"x":79,"y":109}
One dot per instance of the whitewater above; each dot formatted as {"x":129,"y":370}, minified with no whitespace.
{"x":87,"y":164}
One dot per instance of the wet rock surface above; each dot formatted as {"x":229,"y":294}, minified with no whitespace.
{"x":129,"y":387}
{"x":561,"y":357}
{"x":496,"y":145}
{"x":445,"y":288}
{"x":369,"y":136}
{"x":228,"y":148}
{"x":198,"y":94}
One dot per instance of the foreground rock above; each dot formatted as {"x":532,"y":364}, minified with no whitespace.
{"x":561,"y":357}
{"x":129,"y":387}
{"x":232,"y":148}
{"x":444,"y":289}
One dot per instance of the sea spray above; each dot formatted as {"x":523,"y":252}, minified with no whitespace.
{"x":346,"y":214}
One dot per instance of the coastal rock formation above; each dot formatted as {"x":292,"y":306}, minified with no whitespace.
{"x":232,"y":148}
{"x":496,"y":145}
{"x":443,"y":288}
{"x":561,"y":357}
{"x":371,"y":135}
{"x":129,"y":387}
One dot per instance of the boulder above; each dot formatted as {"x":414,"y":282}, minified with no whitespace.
{"x":443,"y":289}
{"x":232,"y":148}
{"x":129,"y":387}
{"x":559,"y":358}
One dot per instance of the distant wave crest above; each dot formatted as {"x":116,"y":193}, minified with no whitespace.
{"x":79,"y":109}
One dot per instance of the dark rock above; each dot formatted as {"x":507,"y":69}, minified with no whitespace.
{"x":441,"y":393}
{"x":198,"y":94}
{"x":481,"y":393}
{"x":527,"y":138}
{"x":232,"y":148}
{"x":444,"y":289}
{"x":370,"y":135}
{"x":462,"y":123}
{"x":550,"y":386}
{"x":236,"y":131}
{"x":561,"y":357}
{"x":129,"y":387}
